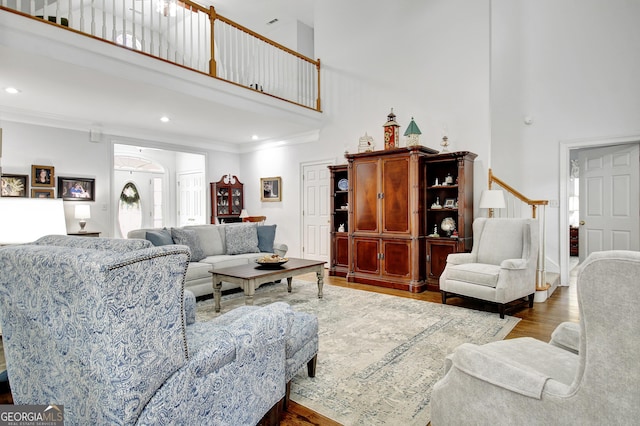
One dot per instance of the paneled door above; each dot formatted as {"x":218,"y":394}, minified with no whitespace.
{"x":315,"y":211}
{"x":609,"y":205}
{"x":191,"y":199}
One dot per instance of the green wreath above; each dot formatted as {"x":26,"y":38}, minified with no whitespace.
{"x":129,"y":194}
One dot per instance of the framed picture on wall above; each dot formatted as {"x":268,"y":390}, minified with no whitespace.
{"x":76,"y":189}
{"x":42,"y":176}
{"x":14,"y":186}
{"x":271,"y":189}
{"x":41,"y":193}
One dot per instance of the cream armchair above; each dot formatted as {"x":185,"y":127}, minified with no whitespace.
{"x":528,"y":382}
{"x":501,"y":267}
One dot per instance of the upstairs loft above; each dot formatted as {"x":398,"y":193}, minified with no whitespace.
{"x":131,"y":69}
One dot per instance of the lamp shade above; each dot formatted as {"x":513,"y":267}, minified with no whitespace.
{"x":244,"y":213}
{"x":23,"y":220}
{"x":82,"y":211}
{"x":492,"y":199}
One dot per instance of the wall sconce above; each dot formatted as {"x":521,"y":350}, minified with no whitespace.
{"x":82,"y":212}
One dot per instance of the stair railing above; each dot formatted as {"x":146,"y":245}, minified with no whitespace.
{"x":516,"y":204}
{"x":189,"y":35}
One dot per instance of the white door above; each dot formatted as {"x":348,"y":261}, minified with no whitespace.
{"x":315,"y":211}
{"x":609,"y":202}
{"x":191,"y":199}
{"x":141,"y":214}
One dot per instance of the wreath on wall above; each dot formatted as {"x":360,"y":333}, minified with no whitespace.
{"x":129,"y":194}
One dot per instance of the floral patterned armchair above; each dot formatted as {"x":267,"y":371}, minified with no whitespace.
{"x":103,"y":333}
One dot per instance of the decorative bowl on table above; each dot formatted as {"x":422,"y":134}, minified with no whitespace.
{"x":271,"y":261}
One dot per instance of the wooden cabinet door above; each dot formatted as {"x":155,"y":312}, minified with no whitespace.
{"x":395,"y":199}
{"x":365,"y":208}
{"x":366,"y":257}
{"x":341,"y":250}
{"x":437,"y":251}
{"x":397,"y":258}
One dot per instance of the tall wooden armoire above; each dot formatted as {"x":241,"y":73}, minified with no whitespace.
{"x":387,"y":218}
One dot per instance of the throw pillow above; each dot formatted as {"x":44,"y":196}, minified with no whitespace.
{"x":159,"y":238}
{"x":189,"y":238}
{"x":266,"y":237}
{"x":210,"y":238}
{"x":242,"y":239}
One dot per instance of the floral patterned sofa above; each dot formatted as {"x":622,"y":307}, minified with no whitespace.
{"x":215,"y":247}
{"x":103,"y":332}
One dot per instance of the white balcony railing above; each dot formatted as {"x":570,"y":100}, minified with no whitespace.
{"x":180,"y":32}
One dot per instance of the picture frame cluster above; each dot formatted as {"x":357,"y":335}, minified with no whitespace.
{"x":43,"y":185}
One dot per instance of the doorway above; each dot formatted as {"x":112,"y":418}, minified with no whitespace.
{"x":315,"y":211}
{"x":569,"y":150}
{"x":157,"y":176}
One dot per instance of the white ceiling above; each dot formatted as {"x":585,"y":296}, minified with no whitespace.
{"x":82,"y":83}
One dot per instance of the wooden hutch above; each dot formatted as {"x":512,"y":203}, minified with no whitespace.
{"x":390,"y":195}
{"x":227,"y":199}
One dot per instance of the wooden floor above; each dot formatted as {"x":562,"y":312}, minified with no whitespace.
{"x":538,"y":322}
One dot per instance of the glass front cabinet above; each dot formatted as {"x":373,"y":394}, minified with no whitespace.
{"x":227,"y":199}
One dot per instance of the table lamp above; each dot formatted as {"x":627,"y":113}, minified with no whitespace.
{"x":492,"y":199}
{"x":244,"y":213}
{"x":83,"y":212}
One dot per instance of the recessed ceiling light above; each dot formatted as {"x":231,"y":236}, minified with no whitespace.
{"x":254,"y":137}
{"x":164,"y":119}
{"x":11,"y":90}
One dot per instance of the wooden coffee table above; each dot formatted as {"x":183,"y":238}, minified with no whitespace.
{"x":251,"y":276}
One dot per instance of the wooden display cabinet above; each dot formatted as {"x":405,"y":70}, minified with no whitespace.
{"x":227,"y":199}
{"x":449,"y":195}
{"x":339,"y":261}
{"x":387,"y":237}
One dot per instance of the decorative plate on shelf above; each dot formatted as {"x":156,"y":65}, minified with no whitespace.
{"x":343,"y":184}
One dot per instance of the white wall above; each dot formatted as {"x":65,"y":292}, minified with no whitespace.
{"x":427,"y":59}
{"x":573,"y":67}
{"x":71,"y":153}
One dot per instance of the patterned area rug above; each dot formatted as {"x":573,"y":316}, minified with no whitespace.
{"x":379,"y":355}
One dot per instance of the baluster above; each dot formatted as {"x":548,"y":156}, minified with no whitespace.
{"x":82,"y":15}
{"x":167,"y":40}
{"x":134,"y":45}
{"x":93,"y":19}
{"x":104,"y":20}
{"x":124,"y":23}
{"x":32,"y":7}
{"x":114,"y":33}
{"x":70,"y":17}
{"x":151,"y":33}
{"x":184,"y":36}
{"x":58,"y":20}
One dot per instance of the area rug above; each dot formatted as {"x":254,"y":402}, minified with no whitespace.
{"x":379,"y":355}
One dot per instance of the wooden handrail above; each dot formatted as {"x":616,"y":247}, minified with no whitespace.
{"x":264,"y":39}
{"x":518,"y":195}
{"x":533,"y":203}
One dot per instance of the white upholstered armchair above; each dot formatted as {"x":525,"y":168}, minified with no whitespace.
{"x":501,"y":267}
{"x":528,"y":382}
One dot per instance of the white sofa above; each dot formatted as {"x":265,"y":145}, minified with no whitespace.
{"x":215,"y":247}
